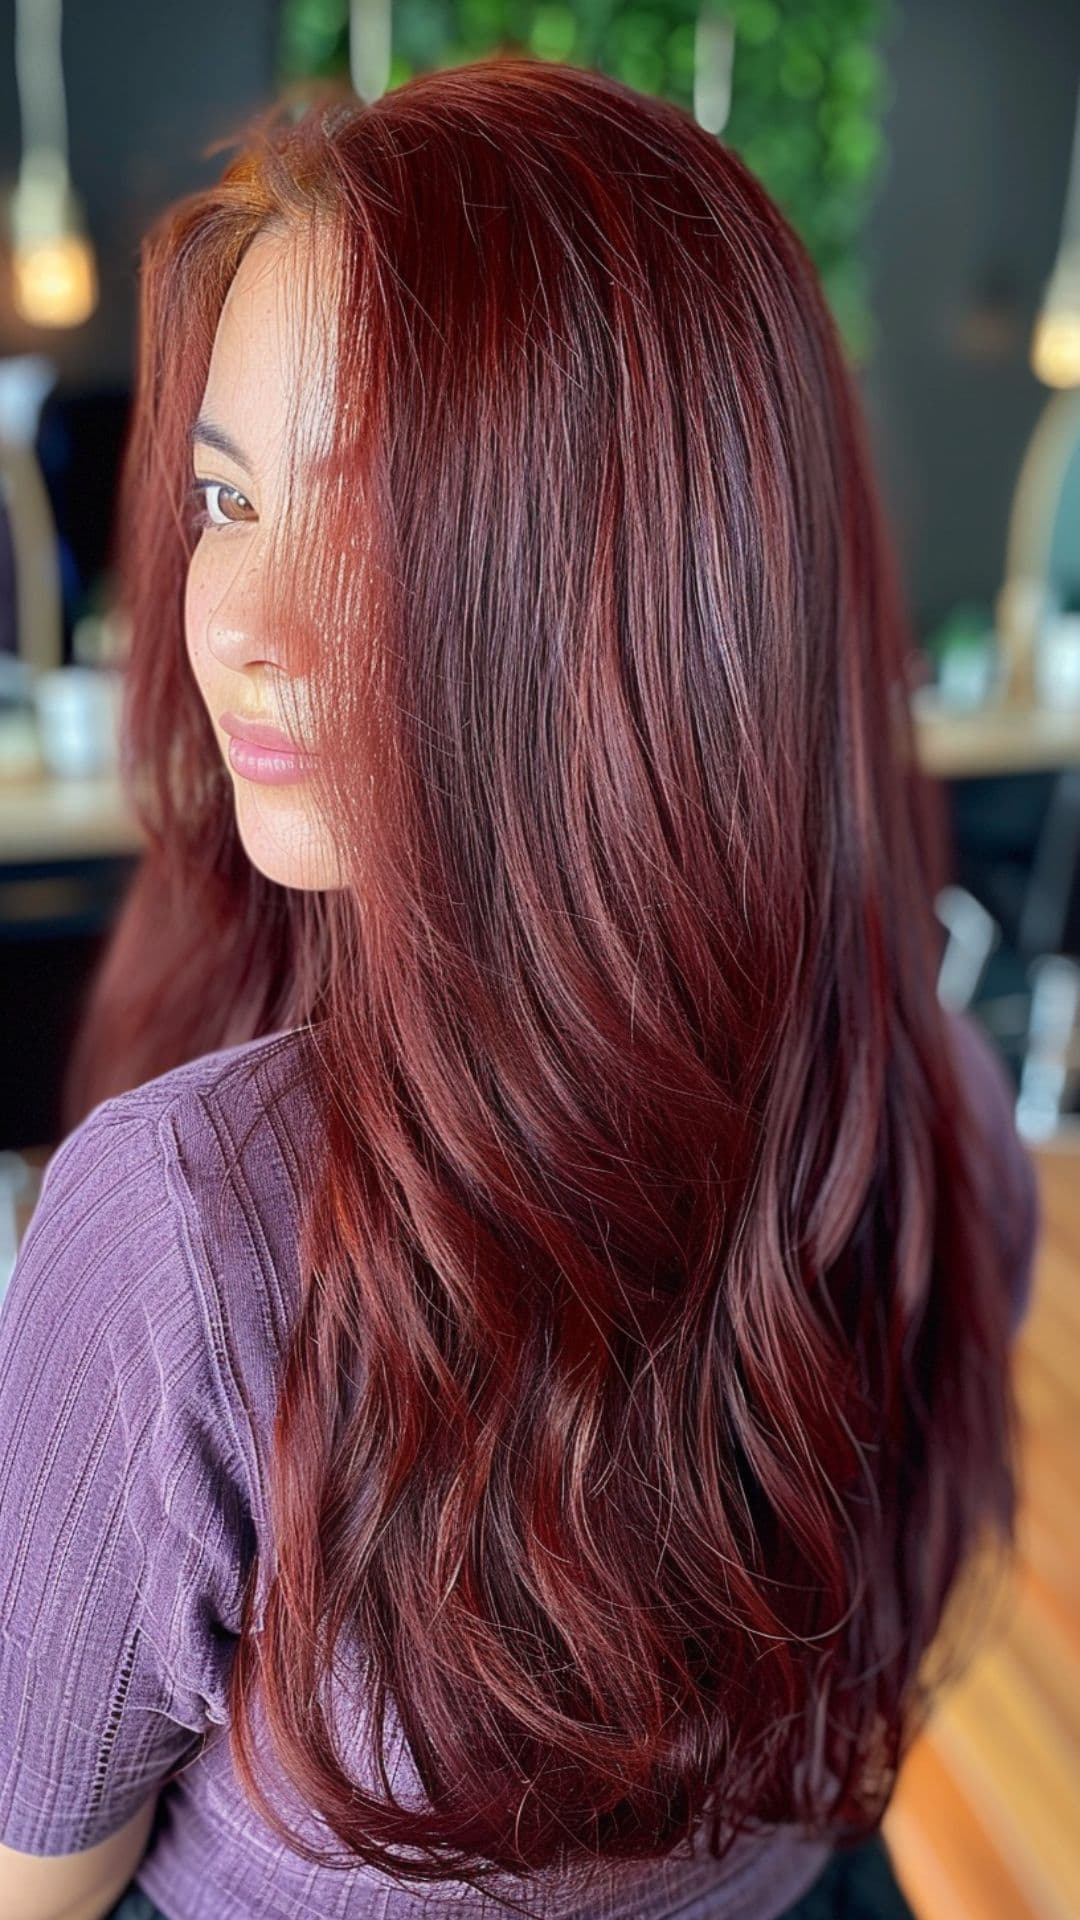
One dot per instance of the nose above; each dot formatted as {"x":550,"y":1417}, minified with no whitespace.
{"x":238,"y":633}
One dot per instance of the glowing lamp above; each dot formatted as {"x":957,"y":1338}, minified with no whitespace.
{"x":54,"y":274}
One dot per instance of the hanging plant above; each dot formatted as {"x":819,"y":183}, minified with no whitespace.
{"x":809,"y":88}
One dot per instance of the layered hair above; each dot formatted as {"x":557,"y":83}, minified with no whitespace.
{"x":648,"y":1396}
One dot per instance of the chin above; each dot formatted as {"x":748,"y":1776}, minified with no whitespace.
{"x":308,"y":868}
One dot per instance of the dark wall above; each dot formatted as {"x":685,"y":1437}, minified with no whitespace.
{"x":962,"y":239}
{"x":149,"y":86}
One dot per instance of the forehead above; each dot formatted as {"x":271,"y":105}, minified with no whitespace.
{"x":272,"y":356}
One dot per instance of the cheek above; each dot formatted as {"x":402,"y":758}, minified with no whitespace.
{"x":196,"y":611}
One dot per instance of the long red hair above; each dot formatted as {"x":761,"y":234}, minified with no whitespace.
{"x":650,"y":1389}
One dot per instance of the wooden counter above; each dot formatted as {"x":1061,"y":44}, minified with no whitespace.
{"x":49,"y":819}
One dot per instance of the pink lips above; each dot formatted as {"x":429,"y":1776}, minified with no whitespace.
{"x":264,"y":753}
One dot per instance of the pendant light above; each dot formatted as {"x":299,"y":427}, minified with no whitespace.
{"x":54,"y":275}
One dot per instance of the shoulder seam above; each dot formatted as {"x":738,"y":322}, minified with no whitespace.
{"x":159,"y":1097}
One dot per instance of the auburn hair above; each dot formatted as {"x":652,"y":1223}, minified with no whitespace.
{"x":649,"y":1393}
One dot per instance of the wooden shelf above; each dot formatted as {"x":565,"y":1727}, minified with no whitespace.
{"x":954,"y":745}
{"x":44,"y":818}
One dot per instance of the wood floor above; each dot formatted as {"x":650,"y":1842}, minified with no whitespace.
{"x":985,"y":1821}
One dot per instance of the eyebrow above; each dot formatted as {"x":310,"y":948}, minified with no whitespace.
{"x":211,"y":435}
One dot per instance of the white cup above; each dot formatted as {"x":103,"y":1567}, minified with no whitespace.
{"x":78,"y":711}
{"x":1057,"y":662}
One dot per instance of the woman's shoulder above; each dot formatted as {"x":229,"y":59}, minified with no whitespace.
{"x":198,"y":1170}
{"x":163,"y":1249}
{"x":207,"y":1115}
{"x":154,"y":1178}
{"x":249,"y":1069}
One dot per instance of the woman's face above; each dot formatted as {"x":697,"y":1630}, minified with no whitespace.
{"x":259,"y":359}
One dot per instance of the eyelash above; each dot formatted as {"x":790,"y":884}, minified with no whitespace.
{"x":198,"y":513}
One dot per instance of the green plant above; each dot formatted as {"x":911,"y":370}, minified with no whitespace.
{"x":809,"y":89}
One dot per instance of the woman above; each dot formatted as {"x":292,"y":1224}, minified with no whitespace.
{"x":526,"y":1218}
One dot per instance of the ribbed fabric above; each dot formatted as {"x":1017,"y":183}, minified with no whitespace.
{"x":141,"y":1338}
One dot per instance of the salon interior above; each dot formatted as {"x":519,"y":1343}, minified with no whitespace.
{"x":929,"y":153}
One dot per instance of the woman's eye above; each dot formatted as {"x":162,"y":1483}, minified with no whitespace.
{"x":216,"y":505}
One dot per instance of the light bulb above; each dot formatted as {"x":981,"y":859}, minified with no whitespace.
{"x":54,"y":281}
{"x":54,"y":277}
{"x":1055,"y":347}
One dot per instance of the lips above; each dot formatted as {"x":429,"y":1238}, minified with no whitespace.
{"x":259,"y":733}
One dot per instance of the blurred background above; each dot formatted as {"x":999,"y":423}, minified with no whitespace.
{"x":928,"y":151}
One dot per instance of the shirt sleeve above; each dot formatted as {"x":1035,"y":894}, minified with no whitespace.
{"x":125,"y":1531}
{"x":1013,"y":1182}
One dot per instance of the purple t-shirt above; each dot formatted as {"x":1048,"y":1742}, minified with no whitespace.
{"x":141,"y":1336}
